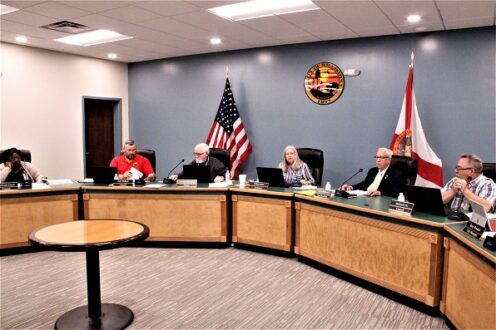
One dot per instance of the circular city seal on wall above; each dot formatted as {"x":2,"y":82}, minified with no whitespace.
{"x":324,"y":83}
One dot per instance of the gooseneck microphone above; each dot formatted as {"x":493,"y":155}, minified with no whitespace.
{"x":341,"y":193}
{"x":458,"y":214}
{"x":169,"y":181}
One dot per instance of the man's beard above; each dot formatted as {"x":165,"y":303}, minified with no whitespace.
{"x":130,"y":157}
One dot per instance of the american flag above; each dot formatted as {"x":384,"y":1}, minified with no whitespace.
{"x":228,"y":131}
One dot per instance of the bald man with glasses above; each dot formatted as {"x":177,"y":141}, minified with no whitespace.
{"x":382,"y":180}
{"x":469,"y":184}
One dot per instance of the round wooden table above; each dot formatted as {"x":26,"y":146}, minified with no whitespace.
{"x":91,"y":236}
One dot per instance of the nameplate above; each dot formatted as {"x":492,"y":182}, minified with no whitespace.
{"x":187,"y":182}
{"x":473,"y":229}
{"x":122,"y":184}
{"x":10,"y":185}
{"x":322,"y":193}
{"x":397,"y":206}
{"x":260,"y":185}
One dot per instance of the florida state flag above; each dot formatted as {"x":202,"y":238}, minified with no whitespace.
{"x":409,"y":140}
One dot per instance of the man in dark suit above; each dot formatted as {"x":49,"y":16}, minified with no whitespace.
{"x":380,"y":180}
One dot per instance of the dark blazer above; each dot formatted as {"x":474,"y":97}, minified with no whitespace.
{"x":391,"y":185}
{"x":217,"y":168}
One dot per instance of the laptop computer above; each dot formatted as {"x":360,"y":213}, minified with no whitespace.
{"x":104,"y":174}
{"x":426,"y":200}
{"x":271,"y":175}
{"x":198,"y":172}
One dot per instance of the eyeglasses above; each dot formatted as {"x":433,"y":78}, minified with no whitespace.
{"x":381,"y":157}
{"x":459,"y":168}
{"x":198,"y":153}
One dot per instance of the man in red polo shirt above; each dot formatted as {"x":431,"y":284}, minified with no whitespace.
{"x":130,"y":162}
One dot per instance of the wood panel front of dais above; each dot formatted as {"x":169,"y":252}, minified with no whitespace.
{"x":469,"y":288}
{"x":401,"y":258}
{"x":181,"y":217}
{"x":262,"y":221}
{"x":21,"y":215}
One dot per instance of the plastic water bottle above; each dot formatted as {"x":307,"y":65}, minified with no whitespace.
{"x":228,"y":177}
{"x":328,"y":186}
{"x":401,"y":197}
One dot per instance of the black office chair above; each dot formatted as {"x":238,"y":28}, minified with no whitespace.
{"x":25,"y":155}
{"x":148,"y":153}
{"x":315,"y":161}
{"x":221,"y":154}
{"x":489,"y":170}
{"x":407,"y":166}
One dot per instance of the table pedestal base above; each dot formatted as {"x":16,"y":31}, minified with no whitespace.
{"x":114,"y":316}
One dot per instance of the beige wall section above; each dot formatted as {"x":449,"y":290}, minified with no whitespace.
{"x":41,"y":104}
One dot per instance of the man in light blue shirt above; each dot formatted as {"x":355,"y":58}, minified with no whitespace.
{"x":469,"y":184}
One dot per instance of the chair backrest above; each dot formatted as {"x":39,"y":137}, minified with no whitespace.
{"x":150,"y":154}
{"x":489,"y":170}
{"x":221,"y":154}
{"x":25,"y":155}
{"x":407,"y":166}
{"x":315,"y":161}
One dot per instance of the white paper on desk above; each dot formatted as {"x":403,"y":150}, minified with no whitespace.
{"x":488,"y":233}
{"x":136,"y":174}
{"x":306,"y":187}
{"x":219,"y":184}
{"x":357,"y":192}
{"x":85,"y":180}
{"x":37,"y":185}
{"x":155,"y":185}
{"x":62,"y":181}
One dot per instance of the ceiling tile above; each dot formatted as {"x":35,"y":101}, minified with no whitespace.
{"x":56,"y":10}
{"x":97,"y":21}
{"x":206,"y":4}
{"x":358,"y":15}
{"x":130,"y":14}
{"x":22,"y":16}
{"x":95,"y":6}
{"x":20,"y":4}
{"x":274,"y":26}
{"x":167,"y":8}
{"x":162,"y":29}
{"x":177,"y":28}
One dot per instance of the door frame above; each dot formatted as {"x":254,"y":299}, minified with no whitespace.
{"x":117,"y":124}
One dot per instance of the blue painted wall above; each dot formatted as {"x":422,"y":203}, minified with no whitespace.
{"x":173,"y":101}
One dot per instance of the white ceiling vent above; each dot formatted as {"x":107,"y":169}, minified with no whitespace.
{"x":67,"y":27}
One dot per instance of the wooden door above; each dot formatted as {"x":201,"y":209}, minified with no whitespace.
{"x":98,"y":132}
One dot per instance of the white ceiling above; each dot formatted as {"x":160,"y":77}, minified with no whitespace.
{"x":162,"y":29}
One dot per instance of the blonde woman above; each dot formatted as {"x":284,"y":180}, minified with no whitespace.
{"x":295,"y":171}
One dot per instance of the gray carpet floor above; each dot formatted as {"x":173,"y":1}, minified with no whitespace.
{"x":197,"y":289}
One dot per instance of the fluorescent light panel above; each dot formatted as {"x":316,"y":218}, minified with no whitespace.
{"x":7,"y":9}
{"x":93,"y":38}
{"x":262,"y":8}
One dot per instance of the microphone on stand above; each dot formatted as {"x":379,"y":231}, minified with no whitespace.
{"x":341,"y":193}
{"x":170,"y":181}
{"x":458,"y":215}
{"x":28,"y":179}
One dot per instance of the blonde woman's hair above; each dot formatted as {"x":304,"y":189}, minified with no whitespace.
{"x":297,"y":163}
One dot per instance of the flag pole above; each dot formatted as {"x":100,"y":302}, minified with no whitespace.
{"x":227,"y":71}
{"x":412,"y":57}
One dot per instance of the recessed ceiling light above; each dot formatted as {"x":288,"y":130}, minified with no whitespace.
{"x":215,"y":41}
{"x":93,"y":38}
{"x":413,"y":18}
{"x":112,"y":55}
{"x":7,"y":9}
{"x":21,"y":39}
{"x":261,"y":8}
